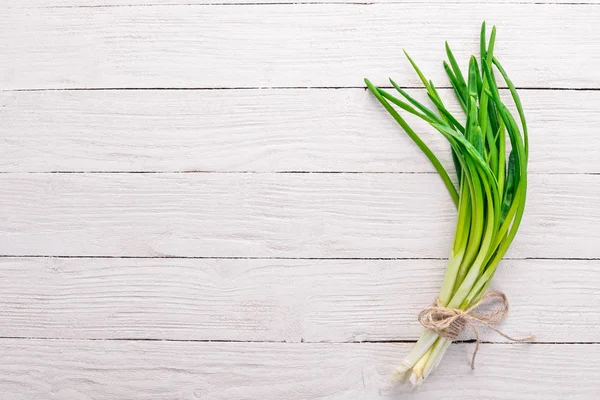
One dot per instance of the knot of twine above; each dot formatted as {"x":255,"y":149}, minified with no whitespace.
{"x":450,"y":322}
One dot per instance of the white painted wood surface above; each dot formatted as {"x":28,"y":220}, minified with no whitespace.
{"x":128,"y":370}
{"x":276,"y":300}
{"x":290,"y":45}
{"x":275,"y":215}
{"x":262,"y":130}
{"x":247,"y":277}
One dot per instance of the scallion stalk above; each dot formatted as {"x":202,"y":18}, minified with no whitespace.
{"x":492,"y":176}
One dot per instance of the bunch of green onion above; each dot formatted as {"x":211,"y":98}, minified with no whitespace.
{"x":490,"y":196}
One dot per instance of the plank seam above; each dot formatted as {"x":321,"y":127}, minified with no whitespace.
{"x":280,"y":258}
{"x":460,"y":342}
{"x":285,"y":3}
{"x":200,"y":88}
{"x":267,"y":172}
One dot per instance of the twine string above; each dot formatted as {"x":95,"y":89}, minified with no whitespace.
{"x":450,"y":322}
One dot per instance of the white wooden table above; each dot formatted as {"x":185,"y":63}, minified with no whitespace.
{"x":201,"y":201}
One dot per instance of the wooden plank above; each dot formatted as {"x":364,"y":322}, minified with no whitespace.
{"x":289,"y":45}
{"x":278,"y":130}
{"x":277,"y":300}
{"x":271,"y":371}
{"x":274,"y":215}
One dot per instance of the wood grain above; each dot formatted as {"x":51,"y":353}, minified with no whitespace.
{"x":274,"y":215}
{"x":261,"y":130}
{"x":296,"y":45}
{"x":103,"y":370}
{"x":277,"y":300}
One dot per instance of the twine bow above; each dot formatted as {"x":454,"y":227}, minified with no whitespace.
{"x":450,"y":322}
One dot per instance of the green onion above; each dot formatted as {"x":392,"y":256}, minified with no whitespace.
{"x":491,"y":175}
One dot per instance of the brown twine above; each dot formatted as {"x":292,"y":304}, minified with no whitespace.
{"x":450,"y":322}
